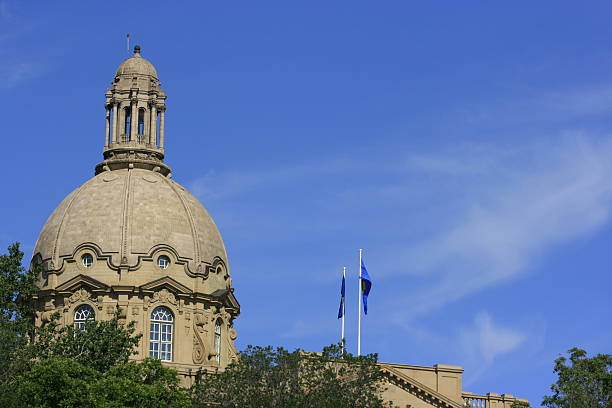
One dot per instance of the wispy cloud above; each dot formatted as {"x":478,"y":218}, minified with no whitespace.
{"x":13,"y":74}
{"x":486,"y":340}
{"x":18,"y":64}
{"x":543,"y":108}
{"x":221,"y":186}
{"x":519,"y":210}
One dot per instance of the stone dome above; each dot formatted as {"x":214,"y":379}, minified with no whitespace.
{"x":136,"y":65}
{"x":127,"y":215}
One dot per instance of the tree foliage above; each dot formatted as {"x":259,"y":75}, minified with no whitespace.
{"x":265,"y":377}
{"x":63,"y":382}
{"x":583,"y":383}
{"x":101,"y":345}
{"x":16,"y":284}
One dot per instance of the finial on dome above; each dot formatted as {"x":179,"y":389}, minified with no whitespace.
{"x":137,"y":51}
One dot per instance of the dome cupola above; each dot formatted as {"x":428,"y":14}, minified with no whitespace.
{"x":136,"y":65}
{"x":135,"y":117}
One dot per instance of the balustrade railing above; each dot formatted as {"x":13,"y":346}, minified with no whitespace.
{"x":491,"y":400}
{"x":475,"y":402}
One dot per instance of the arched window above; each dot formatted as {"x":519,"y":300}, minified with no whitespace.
{"x":82,"y":315}
{"x":141,"y":116}
{"x":218,"y":341}
{"x":160,"y":337}
{"x":128,"y":125}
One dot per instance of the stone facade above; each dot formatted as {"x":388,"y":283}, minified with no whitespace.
{"x":439,"y":386}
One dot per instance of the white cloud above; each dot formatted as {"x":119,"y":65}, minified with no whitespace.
{"x":518,"y":211}
{"x":493,"y":339}
{"x":485,"y":341}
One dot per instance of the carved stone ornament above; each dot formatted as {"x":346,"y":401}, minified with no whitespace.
{"x":79,"y":295}
{"x":199,"y":332}
{"x":100,"y":302}
{"x":164,"y":295}
{"x":45,"y":317}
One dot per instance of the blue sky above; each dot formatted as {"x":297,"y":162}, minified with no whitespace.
{"x":466,"y":146}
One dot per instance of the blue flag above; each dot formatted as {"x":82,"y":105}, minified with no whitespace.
{"x":341,"y":311}
{"x":366,"y":285}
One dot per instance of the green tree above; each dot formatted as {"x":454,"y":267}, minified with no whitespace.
{"x":62,"y":382}
{"x":145,"y":384}
{"x":16,"y":314}
{"x":52,"y":383}
{"x":265,"y":377}
{"x":583,"y":383}
{"x":101,"y":345}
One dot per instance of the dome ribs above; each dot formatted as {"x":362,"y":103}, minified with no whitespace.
{"x":194,"y":231}
{"x":125,"y":219}
{"x":58,"y":236}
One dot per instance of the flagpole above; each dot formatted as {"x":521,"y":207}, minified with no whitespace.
{"x":359,"y":319}
{"x":343,"y":310}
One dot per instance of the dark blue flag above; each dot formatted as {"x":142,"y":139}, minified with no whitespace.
{"x":366,"y":285}
{"x":341,"y":311}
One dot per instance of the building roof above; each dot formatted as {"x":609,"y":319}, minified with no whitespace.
{"x":136,"y":65}
{"x":128,"y":215}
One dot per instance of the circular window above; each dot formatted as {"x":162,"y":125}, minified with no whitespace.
{"x":87,"y":260}
{"x":163,"y":262}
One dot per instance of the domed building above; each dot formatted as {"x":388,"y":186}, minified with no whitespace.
{"x":132,"y":240}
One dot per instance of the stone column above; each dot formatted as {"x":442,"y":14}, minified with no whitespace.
{"x":114,"y":138}
{"x":153,"y":131}
{"x":133,"y":120}
{"x":161,"y":127}
{"x":107,"y":130}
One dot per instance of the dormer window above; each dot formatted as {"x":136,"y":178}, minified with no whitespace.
{"x":87,"y":260}
{"x":163,"y":262}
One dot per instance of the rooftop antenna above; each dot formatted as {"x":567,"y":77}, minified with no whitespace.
{"x":128,"y":43}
